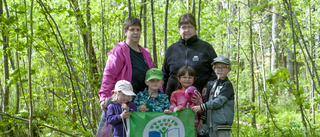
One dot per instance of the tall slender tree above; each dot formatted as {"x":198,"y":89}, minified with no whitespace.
{"x":129,"y":8}
{"x":93,"y":71}
{"x":154,"y":47}
{"x":165,"y":43}
{"x":5,"y":64}
{"x":29,"y":73}
{"x":253,"y":118}
{"x":144,"y":5}
{"x":274,"y":44}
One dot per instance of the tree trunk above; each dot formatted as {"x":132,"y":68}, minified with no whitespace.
{"x":253,"y":118}
{"x":199,"y":8}
{"x":93,"y":73}
{"x":129,"y":8}
{"x":312,"y":51}
{"x":102,"y":35}
{"x":274,"y":40}
{"x":13,"y":67}
{"x":165,"y":26}
{"x":193,"y":8}
{"x":88,"y":47}
{"x":238,"y":69}
{"x":5,"y":66}
{"x":144,"y":23}
{"x":29,"y":73}
{"x":154,"y":47}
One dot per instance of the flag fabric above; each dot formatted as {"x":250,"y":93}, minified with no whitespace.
{"x":159,"y":124}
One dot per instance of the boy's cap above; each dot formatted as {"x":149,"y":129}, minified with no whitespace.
{"x":154,"y":73}
{"x":221,"y":59}
{"x":125,"y":87}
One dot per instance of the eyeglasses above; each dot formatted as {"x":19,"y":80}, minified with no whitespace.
{"x":185,"y":78}
{"x":187,"y":27}
{"x":220,"y":68}
{"x":134,"y":30}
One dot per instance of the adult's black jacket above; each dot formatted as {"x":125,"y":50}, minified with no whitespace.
{"x":192,"y":52}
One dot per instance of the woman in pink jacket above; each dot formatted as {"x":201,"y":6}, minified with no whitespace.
{"x":127,"y":61}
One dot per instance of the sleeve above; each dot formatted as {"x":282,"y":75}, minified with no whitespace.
{"x":225,"y":93}
{"x":112,"y":118}
{"x":167,"y":103}
{"x":173,"y":101}
{"x":112,"y":70}
{"x":138,"y":101}
{"x":132,"y":106}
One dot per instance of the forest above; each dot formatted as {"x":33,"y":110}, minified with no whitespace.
{"x":53,"y":53}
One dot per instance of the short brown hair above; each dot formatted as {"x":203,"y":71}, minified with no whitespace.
{"x":187,"y":18}
{"x":131,"y":21}
{"x":182,"y":71}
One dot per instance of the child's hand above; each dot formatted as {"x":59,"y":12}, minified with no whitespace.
{"x":178,"y":108}
{"x":125,"y":107}
{"x":196,"y":109}
{"x":125,"y":114}
{"x":167,"y":111}
{"x":143,"y":108}
{"x":204,"y":92}
{"x":195,"y":99}
{"x":200,"y":123}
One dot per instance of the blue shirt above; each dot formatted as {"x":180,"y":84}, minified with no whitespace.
{"x":158,"y":104}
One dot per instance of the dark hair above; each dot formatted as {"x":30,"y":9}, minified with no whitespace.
{"x":182,"y":71}
{"x":187,"y":18}
{"x":131,"y":21}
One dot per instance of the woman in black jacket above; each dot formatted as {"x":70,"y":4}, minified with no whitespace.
{"x":188,"y":51}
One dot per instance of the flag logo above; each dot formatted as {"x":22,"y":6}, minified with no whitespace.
{"x":159,"y":124}
{"x":164,"y":126}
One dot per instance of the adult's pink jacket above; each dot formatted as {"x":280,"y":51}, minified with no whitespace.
{"x":118,"y":67}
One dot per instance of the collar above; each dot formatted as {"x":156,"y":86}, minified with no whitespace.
{"x":190,"y":40}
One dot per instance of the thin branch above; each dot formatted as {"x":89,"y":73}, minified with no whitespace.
{"x":45,"y":125}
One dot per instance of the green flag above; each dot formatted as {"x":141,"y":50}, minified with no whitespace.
{"x":159,"y":124}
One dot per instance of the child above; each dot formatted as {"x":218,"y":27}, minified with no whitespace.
{"x":119,"y":109}
{"x":152,"y":99}
{"x":185,"y":77}
{"x":220,"y":99}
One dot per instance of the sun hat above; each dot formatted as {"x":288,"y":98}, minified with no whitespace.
{"x":125,"y":87}
{"x":221,"y":59}
{"x":154,"y":73}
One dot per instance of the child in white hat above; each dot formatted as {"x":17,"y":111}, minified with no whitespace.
{"x":120,"y":108}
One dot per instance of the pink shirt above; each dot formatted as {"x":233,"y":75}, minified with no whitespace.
{"x":178,"y":98}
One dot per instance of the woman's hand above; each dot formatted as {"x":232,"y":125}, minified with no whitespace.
{"x":103,"y":106}
{"x":143,"y":108}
